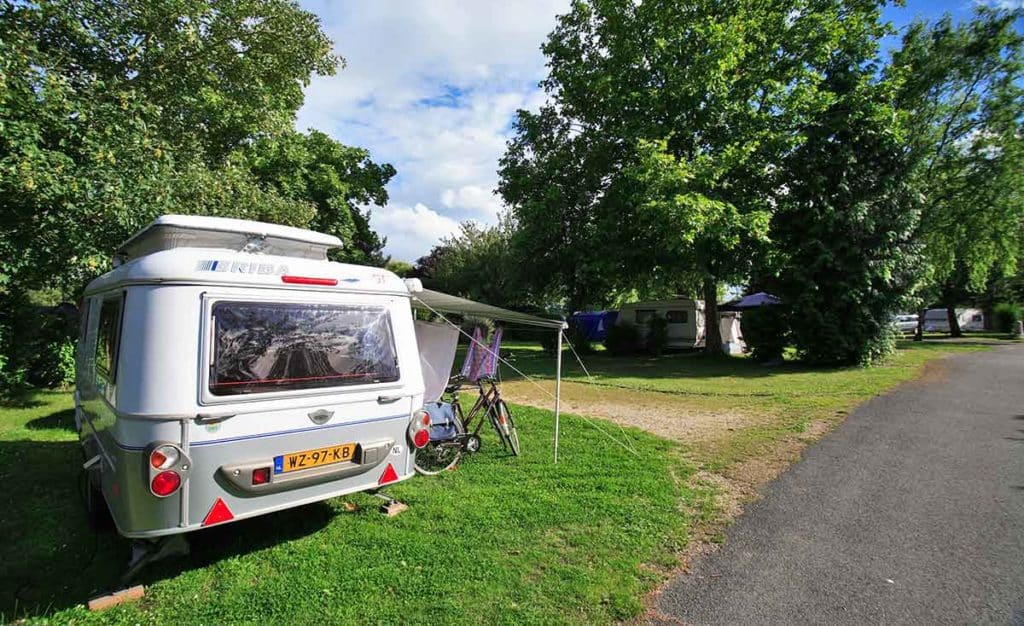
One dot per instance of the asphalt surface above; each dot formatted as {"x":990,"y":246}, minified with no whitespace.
{"x":910,"y":512}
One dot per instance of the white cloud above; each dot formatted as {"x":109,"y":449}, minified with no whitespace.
{"x":474,"y":197}
{"x":412,"y":231}
{"x":431,"y":86}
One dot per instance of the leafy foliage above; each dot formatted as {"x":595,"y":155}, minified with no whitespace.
{"x":656,"y":339}
{"x":766,"y":332}
{"x":577,"y":336}
{"x":401,"y":268}
{"x":844,"y":228}
{"x":337,"y":180}
{"x":477,"y":263}
{"x":656,"y":160}
{"x":115,"y":112}
{"x":1005,"y":316}
{"x":958,"y":88}
{"x":622,"y":339}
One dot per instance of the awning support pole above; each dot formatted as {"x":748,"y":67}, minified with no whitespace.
{"x":558,"y":388}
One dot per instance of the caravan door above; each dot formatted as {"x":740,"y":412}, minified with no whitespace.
{"x":682,"y":330}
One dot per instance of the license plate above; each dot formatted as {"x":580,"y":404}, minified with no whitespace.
{"x":316,"y":457}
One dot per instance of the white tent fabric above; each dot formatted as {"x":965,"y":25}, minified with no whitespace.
{"x":732,"y":339}
{"x":730,"y":329}
{"x":445,"y":303}
{"x":437,"y":302}
{"x":437,"y":343}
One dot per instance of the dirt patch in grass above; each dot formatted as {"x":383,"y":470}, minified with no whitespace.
{"x":664,"y":414}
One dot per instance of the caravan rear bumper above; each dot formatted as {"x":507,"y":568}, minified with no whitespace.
{"x":212,"y":477}
{"x":368,"y":456}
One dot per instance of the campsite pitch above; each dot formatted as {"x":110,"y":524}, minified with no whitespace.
{"x":500,"y":539}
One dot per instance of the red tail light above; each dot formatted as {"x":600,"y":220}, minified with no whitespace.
{"x":419,"y":428}
{"x":261,"y":476}
{"x":165,"y":483}
{"x":421,"y":438}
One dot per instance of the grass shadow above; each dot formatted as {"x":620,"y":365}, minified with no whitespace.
{"x":53,"y":560}
{"x":21,"y":399}
{"x":61,"y":420}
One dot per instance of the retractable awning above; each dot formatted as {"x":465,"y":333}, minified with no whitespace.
{"x":445,"y":303}
{"x":441,"y":303}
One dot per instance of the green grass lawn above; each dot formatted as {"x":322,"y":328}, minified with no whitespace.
{"x":791,"y":394}
{"x":498,"y":540}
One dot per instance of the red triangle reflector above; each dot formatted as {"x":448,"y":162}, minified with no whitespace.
{"x":389,"y":475}
{"x":219,"y":512}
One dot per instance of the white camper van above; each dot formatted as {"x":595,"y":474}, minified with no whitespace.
{"x":684,"y":322}
{"x":937,"y":320}
{"x":227,"y":369}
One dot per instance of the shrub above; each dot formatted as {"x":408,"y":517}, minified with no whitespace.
{"x":622,"y":339}
{"x":548,"y":342}
{"x":40,"y":346}
{"x":12,"y":377}
{"x":578,"y":337}
{"x":657,"y":335}
{"x":766,"y":332}
{"x":1005,"y":316}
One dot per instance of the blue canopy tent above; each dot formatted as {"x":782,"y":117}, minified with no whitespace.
{"x":594,"y":324}
{"x":753,"y":301}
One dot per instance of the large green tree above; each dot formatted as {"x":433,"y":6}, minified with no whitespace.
{"x":843,"y":230}
{"x":336,"y":178}
{"x":479,"y":263}
{"x":113,"y":112}
{"x":959,"y":91}
{"x":722,"y":87}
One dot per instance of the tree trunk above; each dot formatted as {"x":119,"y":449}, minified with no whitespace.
{"x":954,"y":323}
{"x":712,"y":327}
{"x":919,"y":333}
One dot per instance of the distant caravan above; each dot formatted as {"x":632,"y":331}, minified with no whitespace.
{"x":937,"y":320}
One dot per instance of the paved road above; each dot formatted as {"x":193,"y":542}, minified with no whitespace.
{"x":911,"y":512}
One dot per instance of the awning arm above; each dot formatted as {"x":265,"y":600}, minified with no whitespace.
{"x":430,"y":300}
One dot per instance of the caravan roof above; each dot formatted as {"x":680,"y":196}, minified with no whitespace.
{"x":215,"y":250}
{"x":200,"y":231}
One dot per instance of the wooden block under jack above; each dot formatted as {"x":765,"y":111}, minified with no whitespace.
{"x":392,"y":509}
{"x":130,"y":594}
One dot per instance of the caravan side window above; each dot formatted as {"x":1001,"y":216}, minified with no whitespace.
{"x":261,"y":347}
{"x":676,"y":317}
{"x":108,"y":338}
{"x":644,"y":316}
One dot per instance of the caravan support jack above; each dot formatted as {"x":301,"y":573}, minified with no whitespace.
{"x":146,"y":551}
{"x":391,"y":507}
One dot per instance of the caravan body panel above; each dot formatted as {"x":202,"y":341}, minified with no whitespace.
{"x":242,"y":361}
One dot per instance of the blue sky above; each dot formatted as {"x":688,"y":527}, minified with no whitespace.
{"x":431,"y":86}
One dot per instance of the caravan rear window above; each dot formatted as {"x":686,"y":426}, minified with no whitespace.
{"x":260,"y":347}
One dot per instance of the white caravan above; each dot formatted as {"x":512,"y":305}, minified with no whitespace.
{"x":227,"y":369}
{"x":684,"y":322}
{"x":937,"y":321}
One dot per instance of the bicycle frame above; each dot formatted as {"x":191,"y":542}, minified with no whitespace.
{"x":487,"y":398}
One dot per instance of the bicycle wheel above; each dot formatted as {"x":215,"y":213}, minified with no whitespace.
{"x":438,"y":456}
{"x":506,"y":427}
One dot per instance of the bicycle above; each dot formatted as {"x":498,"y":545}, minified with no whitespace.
{"x":446,"y":451}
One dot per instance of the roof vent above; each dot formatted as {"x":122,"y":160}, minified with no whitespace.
{"x":197,"y":231}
